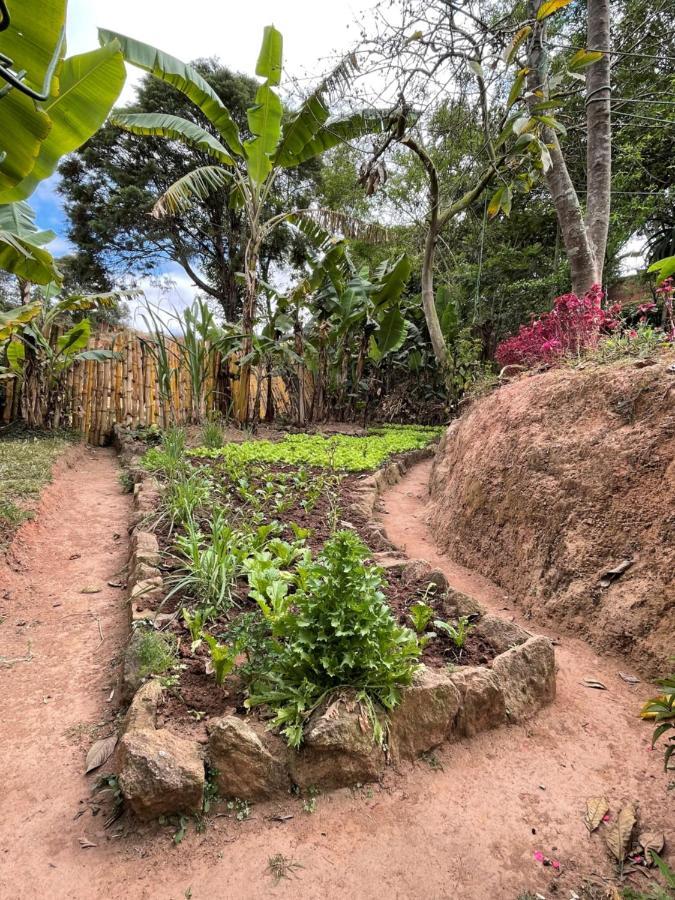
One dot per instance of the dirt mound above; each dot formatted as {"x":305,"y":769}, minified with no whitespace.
{"x":555,"y":479}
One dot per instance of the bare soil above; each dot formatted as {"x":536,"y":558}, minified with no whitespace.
{"x":555,"y":479}
{"x":463,"y":825}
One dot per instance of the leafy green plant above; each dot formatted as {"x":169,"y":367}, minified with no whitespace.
{"x":195,"y":623}
{"x":209,"y":563}
{"x":457,"y":632}
{"x":420,"y":615}
{"x":169,"y":458}
{"x":184,"y":495}
{"x":661,"y":710}
{"x":340,"y":452}
{"x":156,"y":653}
{"x":212,"y":435}
{"x":341,"y":634}
{"x":126,"y":480}
{"x":223,"y":657}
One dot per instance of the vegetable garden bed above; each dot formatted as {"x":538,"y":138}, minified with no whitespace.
{"x":271,"y":643}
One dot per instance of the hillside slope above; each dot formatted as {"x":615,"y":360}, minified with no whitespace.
{"x":555,"y":479}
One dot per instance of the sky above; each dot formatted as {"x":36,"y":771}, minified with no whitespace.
{"x":315,"y":33}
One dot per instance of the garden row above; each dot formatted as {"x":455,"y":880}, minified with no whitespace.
{"x":278,"y":642}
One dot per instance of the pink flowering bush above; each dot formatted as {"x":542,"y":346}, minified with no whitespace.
{"x":573,"y":325}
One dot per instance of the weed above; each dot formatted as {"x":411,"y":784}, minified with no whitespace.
{"x":156,"y":653}
{"x":126,"y":480}
{"x":212,"y":435}
{"x":661,"y":710}
{"x":242,"y":808}
{"x":433,"y":761}
{"x":280,"y":866}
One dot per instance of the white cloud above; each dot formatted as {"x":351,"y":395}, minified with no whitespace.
{"x":314,"y":33}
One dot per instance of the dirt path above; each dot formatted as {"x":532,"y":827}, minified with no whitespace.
{"x":466,"y":831}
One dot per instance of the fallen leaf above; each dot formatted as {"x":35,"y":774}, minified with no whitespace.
{"x":596,"y":810}
{"x":115,"y":584}
{"x":651,"y":842}
{"x":612,"y":574}
{"x":99,"y":752}
{"x":630,"y":679}
{"x":75,"y":556}
{"x":592,"y":683}
{"x":90,"y":590}
{"x":85,"y":843}
{"x":618,"y":834}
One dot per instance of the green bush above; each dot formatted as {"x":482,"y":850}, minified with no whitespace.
{"x":341,"y":634}
{"x":156,"y":653}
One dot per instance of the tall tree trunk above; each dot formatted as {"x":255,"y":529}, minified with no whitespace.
{"x":584,"y":238}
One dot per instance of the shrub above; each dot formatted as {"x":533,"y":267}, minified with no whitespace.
{"x":341,"y":634}
{"x":156,"y":653}
{"x":573,"y":325}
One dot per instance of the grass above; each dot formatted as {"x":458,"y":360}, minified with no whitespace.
{"x":26,"y":461}
{"x":340,"y":452}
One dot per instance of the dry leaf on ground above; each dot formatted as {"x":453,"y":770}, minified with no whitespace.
{"x":592,"y":683}
{"x":619,"y":833}
{"x":651,"y":841}
{"x":596,"y":809}
{"x":99,"y":752}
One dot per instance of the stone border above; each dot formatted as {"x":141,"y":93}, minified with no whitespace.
{"x":162,"y":773}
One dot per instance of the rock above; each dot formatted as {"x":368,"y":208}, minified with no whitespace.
{"x":527,"y":677}
{"x":144,"y":549}
{"x":415,"y":570}
{"x":339,"y":748}
{"x":500,"y":634}
{"x":142,"y":572}
{"x":143,"y":709}
{"x":438,"y":578}
{"x":249,"y":765}
{"x":456,"y":604}
{"x":147,"y":592}
{"x":424,"y":718}
{"x":160,"y":773}
{"x":482,"y":700}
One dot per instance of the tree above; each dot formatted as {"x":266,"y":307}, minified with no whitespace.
{"x":112,"y":184}
{"x":249,"y":168}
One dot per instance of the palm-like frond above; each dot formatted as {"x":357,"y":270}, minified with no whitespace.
{"x":196,"y":185}
{"x":330,"y":221}
{"x":173,"y":128}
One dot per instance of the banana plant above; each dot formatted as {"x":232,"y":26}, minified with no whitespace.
{"x":50,"y":105}
{"x":39,"y":356}
{"x":247,"y":165}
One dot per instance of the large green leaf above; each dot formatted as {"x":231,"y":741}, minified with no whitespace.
{"x":270,"y":59}
{"x":26,"y":260}
{"x":90,"y":83}
{"x":173,"y":128}
{"x":13,"y":320}
{"x":196,"y":185}
{"x":664,"y":268}
{"x":75,"y":339}
{"x":19,"y":219}
{"x":392,"y":331}
{"x":337,"y":131}
{"x":391,"y":282}
{"x":34,"y":40}
{"x":300,"y":130}
{"x":264,"y":120}
{"x":34,"y":43}
{"x":184,"y":78}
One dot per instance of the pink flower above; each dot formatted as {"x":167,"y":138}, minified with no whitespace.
{"x":606,"y":818}
{"x":555,"y":863}
{"x":539,"y":856}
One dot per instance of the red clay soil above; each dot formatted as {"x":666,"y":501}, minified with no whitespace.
{"x":557,"y":478}
{"x":467,"y":830}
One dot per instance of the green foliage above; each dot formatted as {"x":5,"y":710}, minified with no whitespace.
{"x":209,"y":563}
{"x":339,"y":452}
{"x":457,"y":632}
{"x":420,"y":615}
{"x":661,"y":710}
{"x":212,"y":435}
{"x":642,"y":341}
{"x":223,"y":657}
{"x":341,"y":634}
{"x":156,"y":653}
{"x":169,"y":458}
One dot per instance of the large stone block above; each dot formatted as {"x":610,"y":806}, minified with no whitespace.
{"x":424,"y":718}
{"x":250,"y":765}
{"x":527,"y":677}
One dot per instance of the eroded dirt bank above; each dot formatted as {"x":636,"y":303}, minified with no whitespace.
{"x":466,"y":828}
{"x":555,"y":479}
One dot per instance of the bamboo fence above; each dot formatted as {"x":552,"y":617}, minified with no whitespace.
{"x":126,"y":390}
